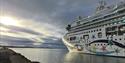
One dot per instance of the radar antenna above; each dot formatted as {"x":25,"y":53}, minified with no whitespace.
{"x":101,"y":5}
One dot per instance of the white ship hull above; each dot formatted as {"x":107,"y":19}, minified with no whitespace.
{"x":111,"y":50}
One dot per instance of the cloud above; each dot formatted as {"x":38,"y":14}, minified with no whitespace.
{"x":14,"y":29}
{"x":30,"y":30}
{"x":13,"y":39}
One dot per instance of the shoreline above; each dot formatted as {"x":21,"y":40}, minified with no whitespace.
{"x":34,"y":47}
{"x":9,"y":56}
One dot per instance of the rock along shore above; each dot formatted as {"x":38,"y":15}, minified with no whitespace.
{"x":9,"y":56}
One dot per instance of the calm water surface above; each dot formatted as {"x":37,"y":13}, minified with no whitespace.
{"x":63,"y":56}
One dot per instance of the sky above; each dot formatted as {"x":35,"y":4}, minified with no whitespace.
{"x":39,"y":21}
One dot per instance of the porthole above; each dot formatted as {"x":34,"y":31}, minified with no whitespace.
{"x":95,"y":44}
{"x":101,"y":44}
{"x":99,"y":29}
{"x":91,"y":31}
{"x":98,"y":44}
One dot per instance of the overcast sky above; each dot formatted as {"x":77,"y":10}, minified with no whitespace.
{"x":44,"y":19}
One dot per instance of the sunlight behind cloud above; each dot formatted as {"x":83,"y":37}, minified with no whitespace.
{"x":7,"y":20}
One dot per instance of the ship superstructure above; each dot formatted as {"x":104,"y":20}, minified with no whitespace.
{"x":102,"y":33}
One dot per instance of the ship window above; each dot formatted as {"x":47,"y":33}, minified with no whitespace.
{"x":101,"y":44}
{"x":120,"y":39}
{"x":89,"y":45}
{"x":93,"y":37}
{"x":98,"y":44}
{"x":95,"y":44}
{"x":92,"y":31}
{"x":99,"y":35}
{"x":72,"y":38}
{"x":123,"y":21}
{"x":111,"y":31}
{"x":121,"y":30}
{"x":99,"y":29}
{"x":109,"y":24}
{"x":78,"y":23}
{"x":105,"y":24}
{"x":80,"y":37}
{"x":121,"y":11}
{"x":68,"y":27}
{"x":85,"y":36}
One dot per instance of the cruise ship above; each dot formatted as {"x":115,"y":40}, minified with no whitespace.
{"x":102,"y":33}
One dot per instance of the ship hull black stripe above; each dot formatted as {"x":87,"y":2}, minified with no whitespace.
{"x":107,"y":41}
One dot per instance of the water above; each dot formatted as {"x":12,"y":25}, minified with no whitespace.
{"x":63,"y":56}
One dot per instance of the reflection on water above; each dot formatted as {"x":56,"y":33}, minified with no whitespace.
{"x":43,"y":55}
{"x":62,"y":56}
{"x":85,"y":58}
